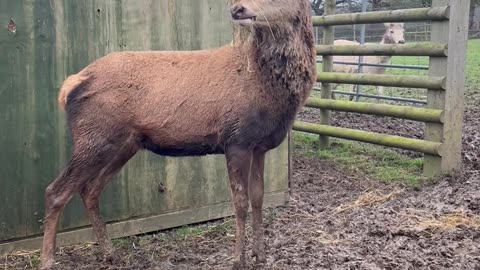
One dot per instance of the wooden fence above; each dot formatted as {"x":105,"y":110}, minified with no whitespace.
{"x":446,"y":81}
{"x":41,"y":43}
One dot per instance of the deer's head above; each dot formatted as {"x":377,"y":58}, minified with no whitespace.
{"x":394,"y":33}
{"x":268,"y":13}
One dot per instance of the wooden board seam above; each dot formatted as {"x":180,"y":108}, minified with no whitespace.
{"x":143,"y":225}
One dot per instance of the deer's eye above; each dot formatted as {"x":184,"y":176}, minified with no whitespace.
{"x":392,"y":31}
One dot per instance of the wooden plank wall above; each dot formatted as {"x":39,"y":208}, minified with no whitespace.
{"x":56,"y":38}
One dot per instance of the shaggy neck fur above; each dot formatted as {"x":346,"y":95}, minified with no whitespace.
{"x":283,"y":56}
{"x":284,"y":60}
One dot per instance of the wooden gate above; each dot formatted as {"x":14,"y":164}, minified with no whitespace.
{"x":446,"y":81}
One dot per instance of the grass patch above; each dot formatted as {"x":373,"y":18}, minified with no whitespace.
{"x":374,"y":161}
{"x":124,"y":242}
{"x":211,"y":228}
{"x":473,"y":67}
{"x":186,"y":232}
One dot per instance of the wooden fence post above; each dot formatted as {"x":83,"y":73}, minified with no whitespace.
{"x":454,"y":32}
{"x":327,"y":66}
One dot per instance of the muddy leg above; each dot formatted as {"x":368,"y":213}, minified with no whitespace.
{"x":90,"y":197}
{"x":239,"y":165}
{"x":57,"y":195}
{"x":256,"y":186}
{"x":90,"y":194}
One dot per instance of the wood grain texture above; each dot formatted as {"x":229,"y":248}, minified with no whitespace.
{"x":454,"y":33}
{"x":413,"y":49}
{"x":143,"y":224}
{"x":431,"y":148}
{"x":397,"y":111}
{"x":327,"y":66}
{"x":403,"y":15}
{"x":408,"y":81}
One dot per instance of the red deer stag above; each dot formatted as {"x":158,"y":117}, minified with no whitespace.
{"x":239,"y":100}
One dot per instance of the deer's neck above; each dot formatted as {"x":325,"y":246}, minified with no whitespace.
{"x":285,"y":61}
{"x":385,"y":59}
{"x":387,"y":39}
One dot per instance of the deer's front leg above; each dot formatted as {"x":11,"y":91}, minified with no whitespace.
{"x":239,"y":163}
{"x":256,"y":190}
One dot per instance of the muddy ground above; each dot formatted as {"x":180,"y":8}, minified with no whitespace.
{"x":336,"y":219}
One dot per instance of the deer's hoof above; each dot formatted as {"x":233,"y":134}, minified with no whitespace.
{"x":238,"y":265}
{"x":47,"y":265}
{"x":260,"y":257}
{"x":110,"y":256}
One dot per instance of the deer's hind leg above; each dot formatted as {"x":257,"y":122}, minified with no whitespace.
{"x":81,"y":168}
{"x":90,"y":193}
{"x":94,"y":160}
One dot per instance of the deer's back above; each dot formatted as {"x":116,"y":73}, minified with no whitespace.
{"x":201,"y":100}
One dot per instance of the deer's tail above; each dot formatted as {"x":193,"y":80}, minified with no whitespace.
{"x":68,"y":86}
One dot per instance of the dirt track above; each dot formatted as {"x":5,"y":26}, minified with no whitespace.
{"x":336,"y":219}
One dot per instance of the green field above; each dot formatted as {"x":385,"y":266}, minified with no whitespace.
{"x":473,"y":72}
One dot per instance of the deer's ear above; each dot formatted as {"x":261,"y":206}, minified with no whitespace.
{"x":388,"y":25}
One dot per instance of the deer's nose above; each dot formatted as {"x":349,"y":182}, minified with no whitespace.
{"x":238,"y":11}
{"x":401,"y":41}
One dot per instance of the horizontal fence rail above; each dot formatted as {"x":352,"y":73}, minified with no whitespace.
{"x":379,"y":65}
{"x":426,"y":147}
{"x":411,"y":100}
{"x":407,"y":15}
{"x":416,"y":114}
{"x":414,"y":49}
{"x":434,"y":83}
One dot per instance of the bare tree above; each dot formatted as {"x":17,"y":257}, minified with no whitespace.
{"x":317,"y":5}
